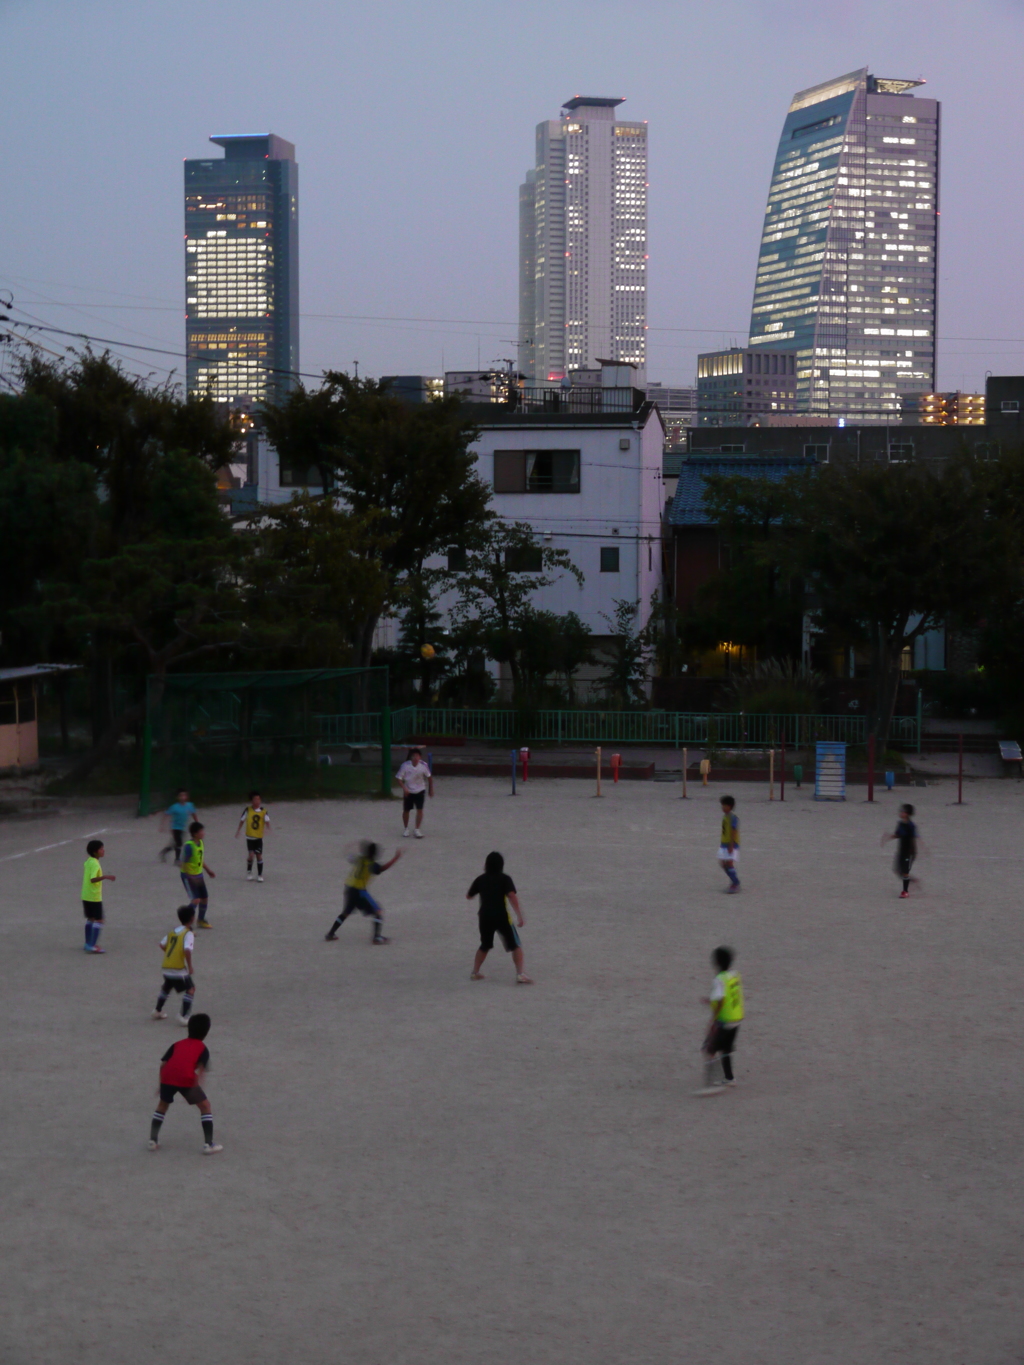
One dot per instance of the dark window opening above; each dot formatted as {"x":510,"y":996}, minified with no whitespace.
{"x":301,"y":476}
{"x":536,"y":471}
{"x":527,"y":559}
{"x":609,"y":559}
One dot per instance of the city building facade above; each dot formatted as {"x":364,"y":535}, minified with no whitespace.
{"x":742,"y":385}
{"x":583,"y":243}
{"x":678,"y":408}
{"x":847,"y":270}
{"x":414,"y":388}
{"x":242,"y":271}
{"x":944,"y":409}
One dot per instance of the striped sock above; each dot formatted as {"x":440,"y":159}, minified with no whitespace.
{"x":207,"y":1129}
{"x":155,"y":1126}
{"x":186,"y":1005}
{"x":161,"y":1001}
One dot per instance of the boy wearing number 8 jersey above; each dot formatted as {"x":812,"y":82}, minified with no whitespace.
{"x":726,"y":1003}
{"x":254,"y":820}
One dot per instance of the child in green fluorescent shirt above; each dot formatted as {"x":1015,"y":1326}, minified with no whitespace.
{"x":93,"y":878}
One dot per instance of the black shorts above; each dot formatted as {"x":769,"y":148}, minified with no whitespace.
{"x":195,"y":886}
{"x":413,"y":800}
{"x":721,"y":1040}
{"x":904,"y":862}
{"x":193,"y":1093}
{"x":361,"y":900}
{"x":92,"y":909}
{"x":255,"y":846}
{"x":503,"y":927}
{"x":178,"y":983}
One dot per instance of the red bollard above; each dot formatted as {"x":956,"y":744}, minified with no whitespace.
{"x":871,"y":767}
{"x":524,"y":755}
{"x":616,"y":765}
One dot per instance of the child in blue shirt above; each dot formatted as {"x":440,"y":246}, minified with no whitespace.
{"x":179,"y":814}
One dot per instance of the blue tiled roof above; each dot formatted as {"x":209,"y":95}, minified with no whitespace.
{"x":688,"y":504}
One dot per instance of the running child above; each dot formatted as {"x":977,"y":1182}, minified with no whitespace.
{"x":184,"y":1066}
{"x":93,"y":878}
{"x":907,"y":839}
{"x":178,"y":814}
{"x":357,"y":896}
{"x":497,"y":891}
{"x":726,"y":1002}
{"x":415,"y":779}
{"x":193,"y":873}
{"x":176,"y":946}
{"x":729,"y":843}
{"x":254,"y":820}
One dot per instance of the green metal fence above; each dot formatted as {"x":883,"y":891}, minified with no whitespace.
{"x":364,"y":727}
{"x":697,"y":728}
{"x":220,"y":734}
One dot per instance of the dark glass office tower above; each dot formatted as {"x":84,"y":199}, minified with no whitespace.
{"x":242,"y":271}
{"x":847,"y":270}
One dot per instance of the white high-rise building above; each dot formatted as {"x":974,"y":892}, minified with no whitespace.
{"x":583,"y":244}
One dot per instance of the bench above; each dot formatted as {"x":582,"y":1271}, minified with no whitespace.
{"x":1009,"y":752}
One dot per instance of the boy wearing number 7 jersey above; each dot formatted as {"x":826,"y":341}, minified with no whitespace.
{"x":726,"y":1002}
{"x":177,"y":946}
{"x":254,"y":820}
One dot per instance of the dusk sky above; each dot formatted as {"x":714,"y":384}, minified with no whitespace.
{"x":413,"y":126}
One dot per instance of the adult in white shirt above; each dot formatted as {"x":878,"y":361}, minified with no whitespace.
{"x":415,"y":780}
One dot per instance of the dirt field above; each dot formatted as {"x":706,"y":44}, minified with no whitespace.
{"x":420,"y":1170}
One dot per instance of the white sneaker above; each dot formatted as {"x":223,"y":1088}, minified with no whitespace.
{"x":158,"y":1014}
{"x":153,"y":1145}
{"x":259,"y":879}
{"x":405,"y":832}
{"x":248,"y":877}
{"x":181,"y":1019}
{"x":418,"y":833}
{"x":212,"y":1148}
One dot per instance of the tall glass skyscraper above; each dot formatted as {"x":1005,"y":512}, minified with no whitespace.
{"x":583,"y":243}
{"x":242,"y":271}
{"x":847,"y":271}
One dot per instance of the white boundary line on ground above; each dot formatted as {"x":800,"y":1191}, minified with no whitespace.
{"x":44,"y":848}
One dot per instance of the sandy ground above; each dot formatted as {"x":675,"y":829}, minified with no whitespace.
{"x":420,"y":1169}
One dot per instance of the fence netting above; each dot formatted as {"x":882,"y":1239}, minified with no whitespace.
{"x":315,"y":732}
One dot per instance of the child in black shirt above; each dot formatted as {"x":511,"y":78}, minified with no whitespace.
{"x":906,"y":837}
{"x":497,"y":891}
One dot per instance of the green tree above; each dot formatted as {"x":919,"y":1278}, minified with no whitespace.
{"x":312,"y":580}
{"x":756,"y":600}
{"x":627,"y":668}
{"x":502,"y":573}
{"x":48,"y":512}
{"x":890,"y":552}
{"x":126,"y":470}
{"x":409,"y":467}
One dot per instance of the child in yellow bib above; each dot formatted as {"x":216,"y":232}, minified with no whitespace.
{"x":727,"y":1010}
{"x":729,"y":843}
{"x":254,"y":820}
{"x":177,"y":945}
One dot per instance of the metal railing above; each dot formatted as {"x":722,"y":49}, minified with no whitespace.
{"x":703,"y":729}
{"x":363,"y":727}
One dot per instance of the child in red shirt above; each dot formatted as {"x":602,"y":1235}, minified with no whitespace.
{"x":184,"y":1065}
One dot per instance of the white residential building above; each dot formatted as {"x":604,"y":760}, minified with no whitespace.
{"x":583,"y":244}
{"x":588,"y":482}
